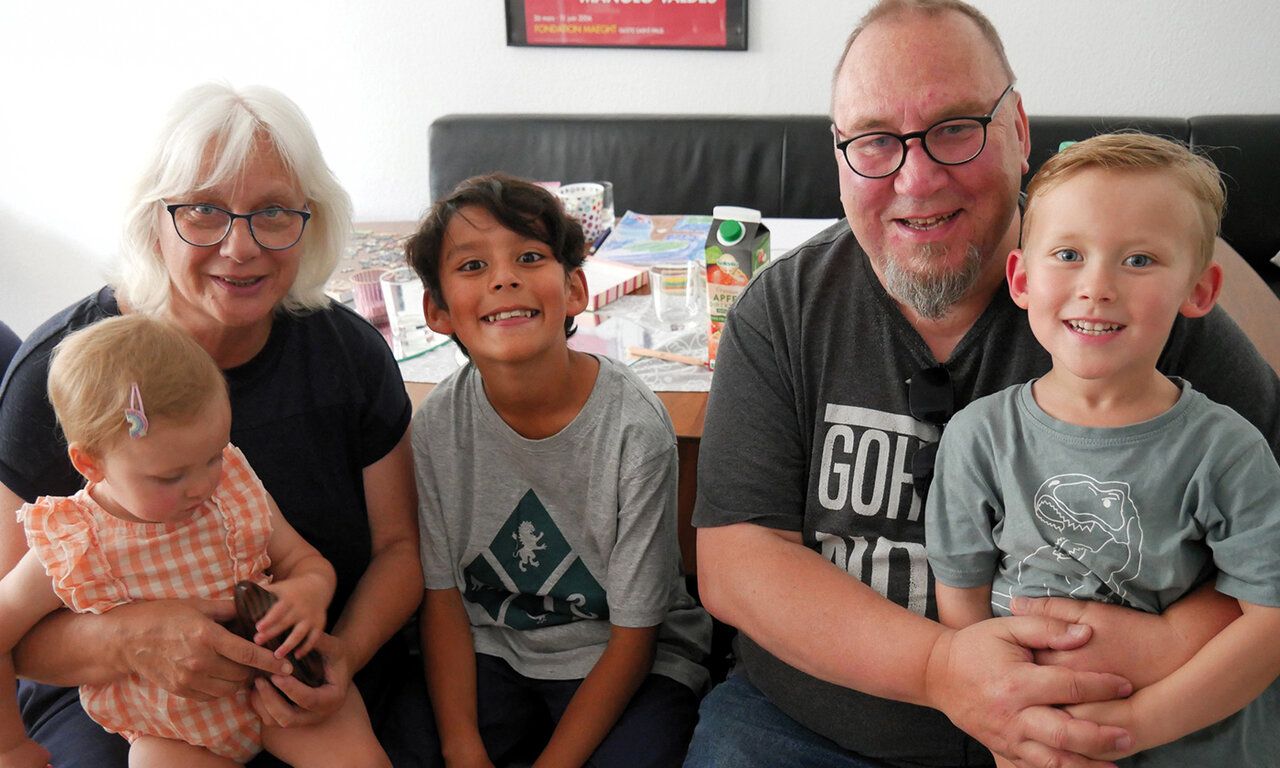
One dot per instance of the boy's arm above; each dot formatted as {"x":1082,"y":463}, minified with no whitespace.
{"x":450,"y":662}
{"x":959,"y":607}
{"x":26,"y":596}
{"x":1139,"y":646}
{"x":303,"y":580}
{"x":1231,"y":670}
{"x":602,"y":697}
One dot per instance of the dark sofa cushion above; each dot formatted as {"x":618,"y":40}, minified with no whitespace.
{"x":657,"y":163}
{"x":1246,"y":149}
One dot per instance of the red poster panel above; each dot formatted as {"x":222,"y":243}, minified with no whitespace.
{"x":628,"y":23}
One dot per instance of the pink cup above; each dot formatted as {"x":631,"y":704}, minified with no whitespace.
{"x":367,"y":287}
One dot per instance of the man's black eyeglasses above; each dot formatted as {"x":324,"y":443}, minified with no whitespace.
{"x":930,"y":398}
{"x":954,"y":141}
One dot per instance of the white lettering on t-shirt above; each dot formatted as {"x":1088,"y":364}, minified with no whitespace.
{"x":850,"y":552}
{"x":864,"y":454}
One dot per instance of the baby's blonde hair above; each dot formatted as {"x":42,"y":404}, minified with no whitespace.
{"x":93,"y":371}
{"x":1140,"y":152}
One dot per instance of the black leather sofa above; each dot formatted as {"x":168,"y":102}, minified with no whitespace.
{"x":783,"y":165}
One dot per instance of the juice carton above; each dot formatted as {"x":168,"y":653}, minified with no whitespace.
{"x":737,"y":245}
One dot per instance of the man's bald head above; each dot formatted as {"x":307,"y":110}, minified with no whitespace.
{"x":888,"y":9}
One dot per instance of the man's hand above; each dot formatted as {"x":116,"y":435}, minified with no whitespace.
{"x":301,"y":704}
{"x":1143,"y":647}
{"x":179,"y":646}
{"x":984,"y":679}
{"x":1119,"y":713}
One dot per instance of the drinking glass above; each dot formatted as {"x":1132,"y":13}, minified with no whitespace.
{"x":402,"y":294}
{"x":368,"y":297}
{"x":675,"y":289}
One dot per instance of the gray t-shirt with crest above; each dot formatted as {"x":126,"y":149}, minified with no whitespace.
{"x":552,"y":541}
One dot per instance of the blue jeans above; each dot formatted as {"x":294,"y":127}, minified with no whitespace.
{"x":739,"y":727}
{"x":517,"y":715}
{"x":54,"y":719}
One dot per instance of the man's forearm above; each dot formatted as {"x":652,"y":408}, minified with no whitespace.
{"x":852,"y":636}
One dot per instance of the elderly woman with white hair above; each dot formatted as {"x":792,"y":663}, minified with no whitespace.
{"x":235,"y":226}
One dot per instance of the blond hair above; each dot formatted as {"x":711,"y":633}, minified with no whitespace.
{"x":93,"y":371}
{"x":1134,"y":151}
{"x":211,"y":133}
{"x":893,"y":8}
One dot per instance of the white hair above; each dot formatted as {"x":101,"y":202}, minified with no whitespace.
{"x":210,"y":133}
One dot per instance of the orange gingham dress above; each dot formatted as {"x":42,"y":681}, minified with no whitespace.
{"x":98,"y":561}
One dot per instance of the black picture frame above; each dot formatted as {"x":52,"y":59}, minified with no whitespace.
{"x":735,"y":31}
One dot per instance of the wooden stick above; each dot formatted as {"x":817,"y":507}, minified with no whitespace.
{"x":671,"y":356}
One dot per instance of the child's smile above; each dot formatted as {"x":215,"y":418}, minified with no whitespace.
{"x":514,"y":315}
{"x":1091,"y":328}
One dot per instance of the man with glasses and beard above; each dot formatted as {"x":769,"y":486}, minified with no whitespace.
{"x":837,"y":371}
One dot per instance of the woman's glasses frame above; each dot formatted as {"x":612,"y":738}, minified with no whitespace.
{"x":175,"y":208}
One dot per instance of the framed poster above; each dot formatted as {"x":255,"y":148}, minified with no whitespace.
{"x":716,"y":24}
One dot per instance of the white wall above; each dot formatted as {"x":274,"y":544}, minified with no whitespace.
{"x":85,"y":85}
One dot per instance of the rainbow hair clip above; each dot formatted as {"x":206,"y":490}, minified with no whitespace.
{"x":134,"y":415}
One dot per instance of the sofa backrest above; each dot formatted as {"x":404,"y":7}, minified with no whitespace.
{"x":1246,"y":149}
{"x":781,"y":166}
{"x":784,"y":165}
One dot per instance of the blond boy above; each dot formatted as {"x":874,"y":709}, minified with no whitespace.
{"x":1106,"y":480}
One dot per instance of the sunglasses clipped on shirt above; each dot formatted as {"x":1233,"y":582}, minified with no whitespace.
{"x":930,"y":398}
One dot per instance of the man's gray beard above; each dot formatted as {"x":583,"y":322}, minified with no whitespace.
{"x":932,"y":295}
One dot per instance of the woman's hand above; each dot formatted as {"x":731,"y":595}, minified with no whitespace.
{"x":179,"y":646}
{"x":300,"y":610}
{"x":24,"y":754}
{"x":301,"y":704}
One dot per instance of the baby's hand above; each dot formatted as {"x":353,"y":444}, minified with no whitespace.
{"x":24,"y":754}
{"x":300,"y":610}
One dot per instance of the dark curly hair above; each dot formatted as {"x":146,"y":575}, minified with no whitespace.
{"x":519,"y":205}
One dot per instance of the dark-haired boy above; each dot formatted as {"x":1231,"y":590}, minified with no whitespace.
{"x":554,"y":606}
